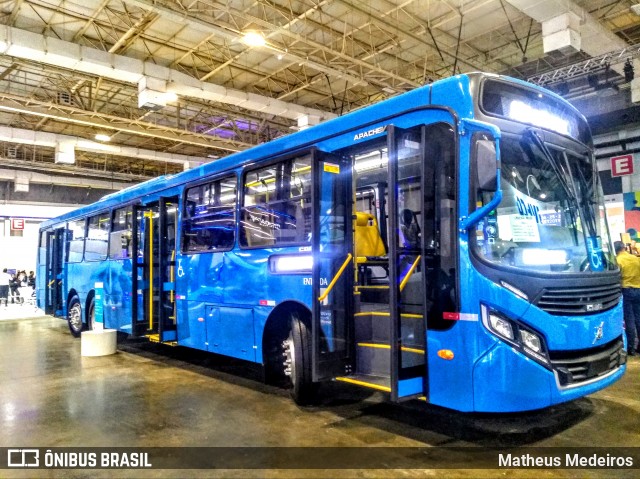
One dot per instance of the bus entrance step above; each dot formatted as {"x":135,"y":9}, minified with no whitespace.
{"x":373,"y":358}
{"x":155,"y":338}
{"x":373,"y":293}
{"x":374,"y":326}
{"x":370,"y":381}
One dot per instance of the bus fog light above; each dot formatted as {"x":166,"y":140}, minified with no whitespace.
{"x":501,"y":326}
{"x":531,"y":341}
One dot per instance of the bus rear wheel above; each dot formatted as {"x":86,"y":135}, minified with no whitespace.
{"x":74,"y":317}
{"x":297,"y":362}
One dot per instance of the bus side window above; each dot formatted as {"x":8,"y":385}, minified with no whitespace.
{"x":210,"y":216}
{"x":121,"y":233}
{"x":97,"y":237}
{"x":75,"y":241}
{"x":276,"y":206}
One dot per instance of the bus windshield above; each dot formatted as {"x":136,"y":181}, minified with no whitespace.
{"x":551,"y":218}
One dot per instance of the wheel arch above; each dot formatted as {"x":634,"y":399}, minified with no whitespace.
{"x":87,"y":304}
{"x":72,"y":292}
{"x":275,"y":331}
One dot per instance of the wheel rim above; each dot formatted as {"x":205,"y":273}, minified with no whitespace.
{"x":289,"y":358}
{"x":75,"y":317}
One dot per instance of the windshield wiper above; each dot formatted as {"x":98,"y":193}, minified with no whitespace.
{"x":562,"y":178}
{"x":587,"y":213}
{"x":585,"y":199}
{"x":552,"y":161}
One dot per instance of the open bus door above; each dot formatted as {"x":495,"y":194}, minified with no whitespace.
{"x":55,"y":255}
{"x":407,"y":263}
{"x":154,"y":242}
{"x":332,"y":330}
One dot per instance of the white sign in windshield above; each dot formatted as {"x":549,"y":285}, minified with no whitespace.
{"x":524,"y":229}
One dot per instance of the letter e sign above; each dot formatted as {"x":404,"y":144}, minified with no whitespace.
{"x":622,"y":165}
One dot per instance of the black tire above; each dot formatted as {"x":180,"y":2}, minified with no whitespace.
{"x":91,"y":317}
{"x":298,"y":356}
{"x":74,"y":317}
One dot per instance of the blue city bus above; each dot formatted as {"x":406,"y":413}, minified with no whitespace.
{"x":448,"y":244}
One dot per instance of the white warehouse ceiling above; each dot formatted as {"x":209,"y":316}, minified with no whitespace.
{"x":174,"y":83}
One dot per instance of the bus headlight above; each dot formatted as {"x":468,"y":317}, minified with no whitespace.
{"x":519,"y":336}
{"x":530,"y":340}
{"x":500,"y":326}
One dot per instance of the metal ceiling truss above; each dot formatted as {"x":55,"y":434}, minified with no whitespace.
{"x":585,"y":67}
{"x":117,"y":100}
{"x":104,"y":166}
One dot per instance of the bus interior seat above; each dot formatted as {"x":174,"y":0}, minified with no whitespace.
{"x":371,"y":257}
{"x":294,"y":223}
{"x":409,"y":229}
{"x":368,"y":242}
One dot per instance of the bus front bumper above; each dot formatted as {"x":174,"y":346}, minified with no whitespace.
{"x":505,"y":380}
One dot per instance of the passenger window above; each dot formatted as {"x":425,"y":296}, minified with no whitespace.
{"x":277,"y":204}
{"x":97,"y":238}
{"x":121,"y":231}
{"x":75,"y":240}
{"x":210,"y":216}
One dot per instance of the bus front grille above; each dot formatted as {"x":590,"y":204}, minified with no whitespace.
{"x":579,"y":300}
{"x":575,"y":367}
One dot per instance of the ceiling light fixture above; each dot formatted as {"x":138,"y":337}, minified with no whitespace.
{"x":253,"y":39}
{"x":171,"y":97}
{"x":102,"y":137}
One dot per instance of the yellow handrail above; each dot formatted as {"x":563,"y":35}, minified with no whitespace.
{"x":409,"y":273}
{"x":335,"y":278}
{"x":149,"y":215}
{"x":171,"y":275}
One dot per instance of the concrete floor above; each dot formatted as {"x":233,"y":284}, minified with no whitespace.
{"x":154,"y":395}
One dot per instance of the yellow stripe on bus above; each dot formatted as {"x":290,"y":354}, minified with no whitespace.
{"x":386,"y":346}
{"x":365,"y":384}
{"x":379,"y":313}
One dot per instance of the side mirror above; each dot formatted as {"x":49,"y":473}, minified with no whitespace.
{"x":486,"y":165}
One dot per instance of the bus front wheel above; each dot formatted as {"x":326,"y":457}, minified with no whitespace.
{"x":297,"y":361}
{"x":74,"y":317}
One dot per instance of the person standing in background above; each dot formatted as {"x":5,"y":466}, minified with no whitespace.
{"x":14,"y":284}
{"x":630,"y":269}
{"x":5,"y":280}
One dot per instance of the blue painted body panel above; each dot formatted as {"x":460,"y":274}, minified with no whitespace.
{"x":226,"y":290}
{"x":410,"y":387}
